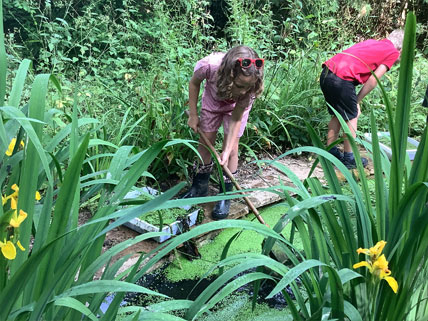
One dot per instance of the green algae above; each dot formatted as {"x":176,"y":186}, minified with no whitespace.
{"x":248,"y":241}
{"x":160,"y":217}
{"x":238,"y":307}
{"x":168,"y":216}
{"x":235,"y":307}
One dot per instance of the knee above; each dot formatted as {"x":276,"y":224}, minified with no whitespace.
{"x":234,"y":153}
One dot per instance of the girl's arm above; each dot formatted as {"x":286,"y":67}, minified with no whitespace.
{"x":194,"y":87}
{"x":371,"y":82}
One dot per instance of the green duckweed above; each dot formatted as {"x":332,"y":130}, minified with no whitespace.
{"x":238,"y":307}
{"x":248,"y":241}
{"x":168,"y":216}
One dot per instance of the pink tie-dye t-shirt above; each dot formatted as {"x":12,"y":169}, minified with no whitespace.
{"x":206,"y":69}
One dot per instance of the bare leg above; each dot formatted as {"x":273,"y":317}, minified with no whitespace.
{"x":233,"y":157}
{"x":204,"y":151}
{"x":333,"y":130}
{"x":352,"y":124}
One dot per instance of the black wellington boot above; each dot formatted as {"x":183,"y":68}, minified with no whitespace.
{"x":221,"y":208}
{"x":199,"y":186}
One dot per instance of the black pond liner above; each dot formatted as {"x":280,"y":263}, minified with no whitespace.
{"x":191,"y":289}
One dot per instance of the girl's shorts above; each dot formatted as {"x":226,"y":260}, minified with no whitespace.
{"x":340,"y":94}
{"x":210,"y":121}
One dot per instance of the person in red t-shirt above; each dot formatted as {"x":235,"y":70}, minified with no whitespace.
{"x":348,"y":69}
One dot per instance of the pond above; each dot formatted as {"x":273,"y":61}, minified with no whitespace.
{"x":185,"y":279}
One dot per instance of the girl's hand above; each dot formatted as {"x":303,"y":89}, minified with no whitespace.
{"x":224,"y":158}
{"x":193,"y":122}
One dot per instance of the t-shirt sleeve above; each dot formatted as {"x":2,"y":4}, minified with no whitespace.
{"x":202,"y":69}
{"x":390,"y":59}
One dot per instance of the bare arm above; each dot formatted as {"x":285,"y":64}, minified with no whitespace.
{"x":371,"y":82}
{"x":194,"y":87}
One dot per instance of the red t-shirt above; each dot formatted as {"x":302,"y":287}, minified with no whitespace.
{"x":356,"y":63}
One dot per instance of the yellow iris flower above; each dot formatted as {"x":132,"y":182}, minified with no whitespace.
{"x":377,"y":264}
{"x":12,"y":146}
{"x":16,"y":220}
{"x":20,"y":246}
{"x":14,"y":197}
{"x":8,"y":249}
{"x":374,"y":251}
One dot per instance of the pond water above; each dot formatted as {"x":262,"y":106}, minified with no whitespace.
{"x":184,"y":279}
{"x":191,"y":288}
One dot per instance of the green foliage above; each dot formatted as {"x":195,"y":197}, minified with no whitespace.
{"x":374,"y":102}
{"x":333,"y":232}
{"x":77,"y":150}
{"x":130,"y":62}
{"x":291,"y":97}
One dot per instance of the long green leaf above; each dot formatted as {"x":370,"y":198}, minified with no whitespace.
{"x":419,"y":172}
{"x":212,"y":288}
{"x":61,"y":214}
{"x":72,"y":303}
{"x":97,"y":264}
{"x":28,"y":181}
{"x":165,"y":306}
{"x":64,"y":132}
{"x":18,"y":84}
{"x":293,"y":274}
{"x":105,"y":286}
{"x":402,"y":114}
{"x":26,"y":124}
{"x":3,"y":62}
{"x":365,"y":212}
{"x":381,"y":203}
{"x":334,"y":228}
{"x":230,"y":288}
{"x":13,"y":290}
{"x":330,"y":175}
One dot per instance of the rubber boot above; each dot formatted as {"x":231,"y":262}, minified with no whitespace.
{"x":221,"y":208}
{"x":349,"y":160}
{"x":336,"y":152}
{"x":199,"y":186}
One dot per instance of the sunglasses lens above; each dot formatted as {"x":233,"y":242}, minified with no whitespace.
{"x":246,"y":63}
{"x":259,"y":63}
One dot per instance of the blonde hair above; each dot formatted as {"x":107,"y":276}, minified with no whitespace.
{"x":230,"y":69}
{"x":396,"y":37}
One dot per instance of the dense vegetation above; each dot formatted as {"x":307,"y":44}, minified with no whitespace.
{"x":128,"y":62}
{"x":101,"y":112}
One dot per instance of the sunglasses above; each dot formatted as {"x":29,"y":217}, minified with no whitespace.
{"x":247,"y":62}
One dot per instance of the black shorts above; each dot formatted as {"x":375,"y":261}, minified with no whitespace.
{"x":425,"y":102}
{"x":339,"y":94}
